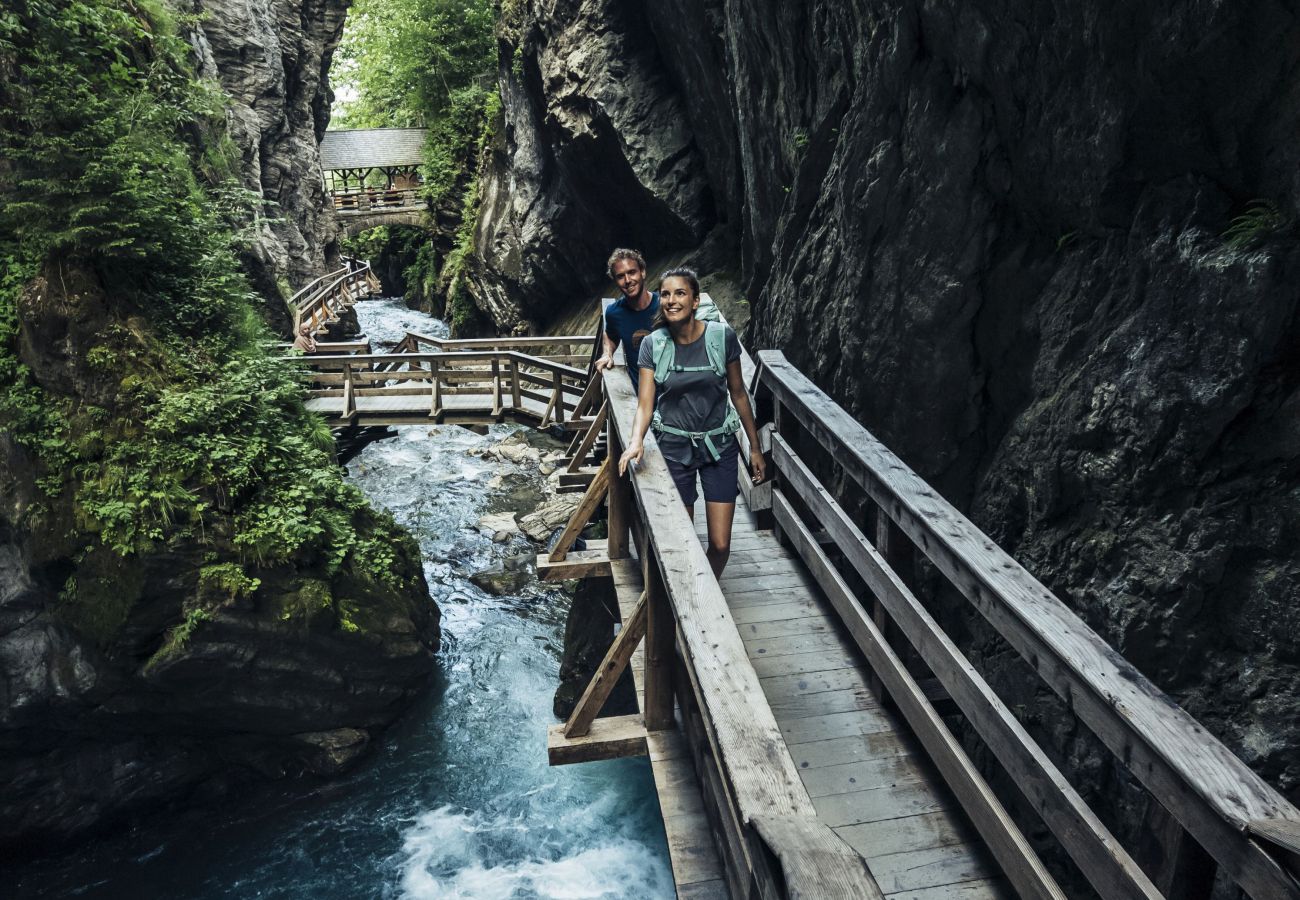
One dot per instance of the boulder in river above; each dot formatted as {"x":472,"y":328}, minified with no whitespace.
{"x":550,"y":515}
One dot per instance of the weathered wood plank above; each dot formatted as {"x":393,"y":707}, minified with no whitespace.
{"x":923,"y":832}
{"x":991,"y":819}
{"x":609,"y":738}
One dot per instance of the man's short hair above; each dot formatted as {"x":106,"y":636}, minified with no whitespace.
{"x":624,"y":253}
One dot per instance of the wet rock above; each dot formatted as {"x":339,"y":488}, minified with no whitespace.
{"x":511,"y":576}
{"x":501,"y":526}
{"x":550,"y":515}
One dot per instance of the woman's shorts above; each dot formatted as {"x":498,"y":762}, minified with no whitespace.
{"x":718,"y":478}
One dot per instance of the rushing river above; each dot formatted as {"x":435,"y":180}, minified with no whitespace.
{"x":457,"y":800}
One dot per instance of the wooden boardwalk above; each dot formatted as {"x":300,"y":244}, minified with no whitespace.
{"x":799,"y":712}
{"x":867,"y":777}
{"x":792,"y":708}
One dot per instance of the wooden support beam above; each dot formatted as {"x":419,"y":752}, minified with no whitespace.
{"x":661,"y":646}
{"x":588,"y":439}
{"x":609,"y":738}
{"x":620,"y":502}
{"x":590,"y":563}
{"x":582,"y":515}
{"x":606,"y":676}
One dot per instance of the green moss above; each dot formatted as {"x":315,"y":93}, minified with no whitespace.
{"x":312,"y":602}
{"x":118,"y":210}
{"x":98,"y":599}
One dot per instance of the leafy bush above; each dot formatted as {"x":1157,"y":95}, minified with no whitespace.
{"x":113,"y":168}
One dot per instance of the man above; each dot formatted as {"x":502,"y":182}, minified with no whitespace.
{"x":628,"y":319}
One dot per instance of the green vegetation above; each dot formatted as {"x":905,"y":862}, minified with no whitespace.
{"x":1262,"y":219}
{"x":425,"y":63}
{"x":120,"y":217}
{"x":429,"y":63}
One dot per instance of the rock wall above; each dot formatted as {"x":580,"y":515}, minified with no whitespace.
{"x":272,"y":60}
{"x":993,"y":231}
{"x":167,"y":677}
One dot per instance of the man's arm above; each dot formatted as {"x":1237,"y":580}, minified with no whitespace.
{"x":608,"y":345}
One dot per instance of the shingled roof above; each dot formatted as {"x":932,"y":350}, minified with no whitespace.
{"x":365,"y":148}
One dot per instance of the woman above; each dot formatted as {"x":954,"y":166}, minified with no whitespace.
{"x":305,"y":341}
{"x":689,"y":368}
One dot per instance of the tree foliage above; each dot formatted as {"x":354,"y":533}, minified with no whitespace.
{"x":113,"y":166}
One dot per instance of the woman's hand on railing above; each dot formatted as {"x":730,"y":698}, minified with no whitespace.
{"x":604,"y":362}
{"x":631,"y":455}
{"x":757,"y":466}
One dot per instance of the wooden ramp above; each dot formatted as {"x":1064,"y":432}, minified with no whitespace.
{"x":866,"y":775}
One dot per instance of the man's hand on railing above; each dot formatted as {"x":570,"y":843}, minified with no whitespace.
{"x":604,"y":362}
{"x":631,"y":455}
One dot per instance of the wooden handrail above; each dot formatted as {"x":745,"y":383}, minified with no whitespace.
{"x":1210,"y":792}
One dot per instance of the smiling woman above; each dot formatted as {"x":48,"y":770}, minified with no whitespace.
{"x":692,"y":394}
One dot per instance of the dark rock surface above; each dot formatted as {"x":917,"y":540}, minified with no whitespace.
{"x":272,"y":60}
{"x":994,"y":232}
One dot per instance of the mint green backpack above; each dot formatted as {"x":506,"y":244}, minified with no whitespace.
{"x":664,"y":353}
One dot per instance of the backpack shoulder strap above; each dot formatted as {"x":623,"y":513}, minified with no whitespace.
{"x":715,"y":344}
{"x":662,"y":352}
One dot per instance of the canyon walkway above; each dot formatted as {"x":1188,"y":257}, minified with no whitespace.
{"x":813,"y":728}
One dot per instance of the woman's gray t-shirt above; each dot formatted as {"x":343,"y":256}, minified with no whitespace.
{"x":691,"y":401}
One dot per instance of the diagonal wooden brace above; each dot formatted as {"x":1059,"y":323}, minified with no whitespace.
{"x":611,"y":667}
{"x":582,"y":515}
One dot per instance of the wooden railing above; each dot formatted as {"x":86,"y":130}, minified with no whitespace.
{"x":554,"y":389}
{"x":1204,"y":800}
{"x":368,"y":202}
{"x":569,"y":350}
{"x":321,"y":300}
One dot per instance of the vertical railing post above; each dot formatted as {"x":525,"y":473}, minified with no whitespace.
{"x":348,"y":401}
{"x":660,"y":645}
{"x":435,"y":374}
{"x":496,"y":385}
{"x":515,"y":399}
{"x":557,"y":397}
{"x":620,"y":497}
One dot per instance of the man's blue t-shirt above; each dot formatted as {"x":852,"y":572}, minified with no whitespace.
{"x":629,"y":326}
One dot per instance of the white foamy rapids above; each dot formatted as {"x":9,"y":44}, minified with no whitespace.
{"x":448,"y":854}
{"x":386,"y":321}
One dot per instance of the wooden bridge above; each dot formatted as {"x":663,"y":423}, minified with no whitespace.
{"x":321,"y":302}
{"x":812,"y":729}
{"x":372,"y":176}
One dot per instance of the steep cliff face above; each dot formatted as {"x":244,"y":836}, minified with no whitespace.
{"x":272,"y":60}
{"x":994,"y":232}
{"x":191,"y":596}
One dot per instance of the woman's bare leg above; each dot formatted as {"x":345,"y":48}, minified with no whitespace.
{"x":719,"y":517}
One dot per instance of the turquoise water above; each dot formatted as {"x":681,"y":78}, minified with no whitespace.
{"x":457,"y":800}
